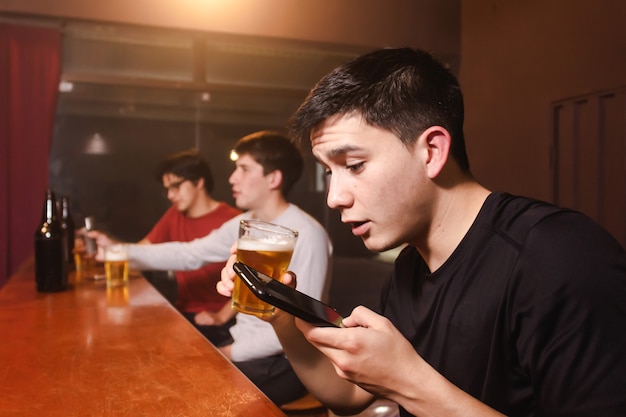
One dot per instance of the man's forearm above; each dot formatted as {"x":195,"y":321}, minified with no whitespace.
{"x":162,"y":256}
{"x":317,"y":372}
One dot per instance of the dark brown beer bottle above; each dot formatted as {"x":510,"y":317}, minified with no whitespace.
{"x":67,"y":224}
{"x":50,"y":265}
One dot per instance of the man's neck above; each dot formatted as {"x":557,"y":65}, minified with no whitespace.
{"x":202,"y":207}
{"x":270,"y":210}
{"x":456,"y":211}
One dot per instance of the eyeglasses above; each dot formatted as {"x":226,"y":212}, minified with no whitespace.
{"x":173,"y":186}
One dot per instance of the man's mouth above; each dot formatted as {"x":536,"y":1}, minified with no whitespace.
{"x":359,"y":228}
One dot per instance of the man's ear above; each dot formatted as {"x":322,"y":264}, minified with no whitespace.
{"x":275,"y":179}
{"x":200,"y":183}
{"x":437,"y":142}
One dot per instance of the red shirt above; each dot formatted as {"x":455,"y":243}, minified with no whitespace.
{"x":196,"y":289}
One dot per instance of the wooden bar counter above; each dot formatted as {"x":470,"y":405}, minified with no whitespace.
{"x":87,"y":351}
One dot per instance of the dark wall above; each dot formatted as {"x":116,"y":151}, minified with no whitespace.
{"x":116,"y":187}
{"x":518,"y":59}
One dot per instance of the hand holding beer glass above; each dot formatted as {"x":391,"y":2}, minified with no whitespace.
{"x":116,"y":264}
{"x":265,"y":247}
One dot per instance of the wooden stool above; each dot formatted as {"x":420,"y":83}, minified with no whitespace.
{"x":305,"y":406}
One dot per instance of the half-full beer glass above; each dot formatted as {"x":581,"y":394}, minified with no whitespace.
{"x":116,"y":264}
{"x":267,"y":248}
{"x":85,"y":249}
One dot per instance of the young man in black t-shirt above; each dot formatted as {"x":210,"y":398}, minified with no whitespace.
{"x":498,"y":305}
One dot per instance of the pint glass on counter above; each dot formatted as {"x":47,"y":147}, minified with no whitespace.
{"x":265,"y":247}
{"x":116,"y":264}
{"x":85,"y":264}
{"x":85,"y":249}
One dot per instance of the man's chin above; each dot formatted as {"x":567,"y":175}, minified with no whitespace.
{"x":371,"y":244}
{"x":241,"y":205}
{"x":377,"y":246}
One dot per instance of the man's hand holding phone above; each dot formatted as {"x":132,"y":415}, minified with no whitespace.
{"x":288,"y":299}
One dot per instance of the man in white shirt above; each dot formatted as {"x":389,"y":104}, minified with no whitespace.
{"x":267,"y":165}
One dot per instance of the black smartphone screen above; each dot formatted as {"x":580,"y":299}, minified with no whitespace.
{"x":286,"y":298}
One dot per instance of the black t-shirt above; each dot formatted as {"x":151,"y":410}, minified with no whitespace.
{"x":527,"y":315}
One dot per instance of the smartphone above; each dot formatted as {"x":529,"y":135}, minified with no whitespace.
{"x":286,"y":298}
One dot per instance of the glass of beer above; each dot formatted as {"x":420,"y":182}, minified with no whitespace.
{"x":116,"y":264}
{"x":85,"y":264}
{"x":265,"y":247}
{"x":85,"y":250}
{"x":85,"y":261}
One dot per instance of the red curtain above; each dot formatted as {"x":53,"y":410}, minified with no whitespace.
{"x":30,"y":66}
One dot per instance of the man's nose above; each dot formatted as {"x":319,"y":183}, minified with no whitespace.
{"x":337,"y":196}
{"x":231,"y":179}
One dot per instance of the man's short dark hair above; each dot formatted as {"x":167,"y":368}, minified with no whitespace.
{"x":402,"y":90}
{"x":274,"y":151}
{"x":188,"y":165}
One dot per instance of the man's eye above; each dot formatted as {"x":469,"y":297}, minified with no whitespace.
{"x":328,"y":173}
{"x":355,"y":167}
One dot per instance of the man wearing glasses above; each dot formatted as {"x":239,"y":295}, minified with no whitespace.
{"x":188,"y":183}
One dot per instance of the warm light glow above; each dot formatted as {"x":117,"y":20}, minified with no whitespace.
{"x":66,"y":86}
{"x":233,"y":155}
{"x":96,"y":145}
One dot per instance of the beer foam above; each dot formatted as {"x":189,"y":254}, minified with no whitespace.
{"x":277,"y":244}
{"x":116,"y":253}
